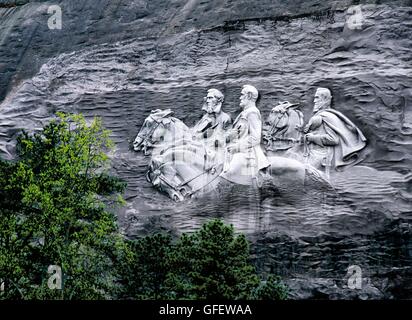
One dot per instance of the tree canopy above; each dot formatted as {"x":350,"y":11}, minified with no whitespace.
{"x":212,"y":263}
{"x":54,"y":203}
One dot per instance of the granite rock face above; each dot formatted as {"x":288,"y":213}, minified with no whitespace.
{"x":121,"y":59}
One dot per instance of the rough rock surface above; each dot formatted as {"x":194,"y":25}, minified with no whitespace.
{"x":121,"y":59}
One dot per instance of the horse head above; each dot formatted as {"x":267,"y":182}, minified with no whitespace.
{"x":279,"y":116}
{"x":156,"y":128}
{"x":159,"y":127}
{"x":284,"y":121}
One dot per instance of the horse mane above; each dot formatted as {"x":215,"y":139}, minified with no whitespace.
{"x":179,"y":123}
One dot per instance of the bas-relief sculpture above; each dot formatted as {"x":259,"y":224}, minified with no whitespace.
{"x":284,"y":127}
{"x":329,"y":141}
{"x":190,"y":162}
{"x":214,"y":120}
{"x":244,"y":155}
{"x":333,"y":140}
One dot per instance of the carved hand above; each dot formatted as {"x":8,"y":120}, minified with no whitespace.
{"x":299,"y":128}
{"x":309,"y":137}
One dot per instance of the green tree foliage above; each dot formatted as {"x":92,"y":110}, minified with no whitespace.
{"x":55,"y":206}
{"x":271,"y":289}
{"x":212,"y":263}
{"x":144,"y":266}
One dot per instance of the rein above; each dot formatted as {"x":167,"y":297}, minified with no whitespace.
{"x":195,"y":191}
{"x":199,"y":175}
{"x":186,"y":182}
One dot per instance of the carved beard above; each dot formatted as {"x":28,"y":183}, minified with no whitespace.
{"x":323,"y":106}
{"x":246,"y":104}
{"x":213,"y":109}
{"x":217,"y":108}
{"x":205,"y":107}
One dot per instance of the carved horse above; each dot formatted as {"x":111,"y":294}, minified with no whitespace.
{"x":160,"y":130}
{"x":183,"y":167}
{"x":284,"y":128}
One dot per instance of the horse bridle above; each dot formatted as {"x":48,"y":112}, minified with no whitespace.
{"x":146,"y":139}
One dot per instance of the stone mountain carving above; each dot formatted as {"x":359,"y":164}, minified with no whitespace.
{"x":184,"y":165}
{"x":330,"y":142}
{"x":333,"y":140}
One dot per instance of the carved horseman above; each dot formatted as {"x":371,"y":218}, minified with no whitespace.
{"x":244,"y":156}
{"x":285,"y":127}
{"x":332,"y":139}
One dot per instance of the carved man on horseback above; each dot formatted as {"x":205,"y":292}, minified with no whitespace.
{"x":245,"y":157}
{"x":334,"y":140}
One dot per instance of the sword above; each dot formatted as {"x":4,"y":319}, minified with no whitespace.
{"x":228,"y":158}
{"x":306,"y":150}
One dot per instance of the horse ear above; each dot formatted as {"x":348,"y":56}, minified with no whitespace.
{"x":167,"y":112}
{"x":166,"y":121}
